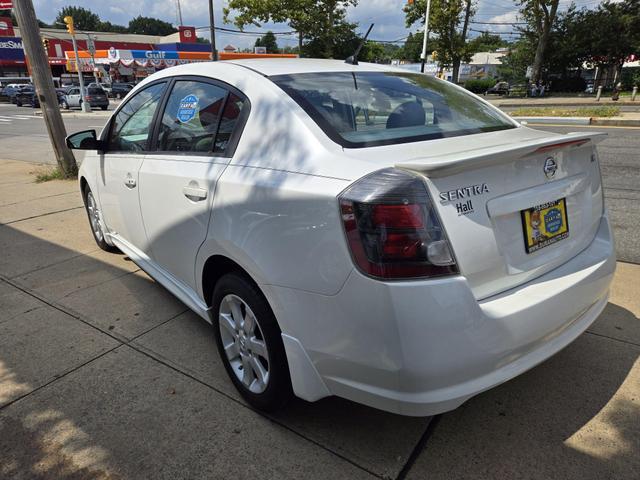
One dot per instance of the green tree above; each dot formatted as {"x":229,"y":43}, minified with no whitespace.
{"x":541,"y":16}
{"x":111,"y":27}
{"x":83,"y":19}
{"x":413,"y":47}
{"x":449,"y":24}
{"x":594,"y":29}
{"x":516,"y":61}
{"x":269,"y":41}
{"x":321,"y":23}
{"x":150,"y":26}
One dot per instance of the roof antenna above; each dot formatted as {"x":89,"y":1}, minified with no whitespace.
{"x":353,"y":59}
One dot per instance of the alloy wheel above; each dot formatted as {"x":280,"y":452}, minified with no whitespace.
{"x":94,"y":217}
{"x":244,"y":343}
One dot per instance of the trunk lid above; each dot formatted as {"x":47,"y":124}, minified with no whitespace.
{"x":480,"y":187}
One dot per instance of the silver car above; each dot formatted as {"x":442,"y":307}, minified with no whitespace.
{"x":96,"y":97}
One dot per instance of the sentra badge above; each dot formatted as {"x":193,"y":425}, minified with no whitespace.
{"x":463,"y":196}
{"x":463,"y":193}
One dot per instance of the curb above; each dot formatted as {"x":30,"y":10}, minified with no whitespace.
{"x":615,"y":122}
{"x":598,"y":121}
{"x":568,"y":104}
{"x":555,"y":120}
{"x":101,"y":114}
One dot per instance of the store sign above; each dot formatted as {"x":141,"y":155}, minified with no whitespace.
{"x":6,"y":5}
{"x":11,"y":48}
{"x":187,"y":34}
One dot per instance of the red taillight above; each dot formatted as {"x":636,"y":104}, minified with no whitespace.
{"x":392,"y":229}
{"x":398,"y":216}
{"x":87,"y":98}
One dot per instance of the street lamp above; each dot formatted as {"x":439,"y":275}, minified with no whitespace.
{"x":68,"y":20}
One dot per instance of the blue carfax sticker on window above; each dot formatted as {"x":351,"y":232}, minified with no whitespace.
{"x":188,"y":108}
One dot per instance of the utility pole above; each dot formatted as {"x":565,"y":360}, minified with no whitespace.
{"x":214,"y":53}
{"x":423,"y":55}
{"x":86,"y":108}
{"x":179,"y":12}
{"x":43,"y":81}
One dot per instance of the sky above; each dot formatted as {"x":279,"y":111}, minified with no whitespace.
{"x":386,"y":14}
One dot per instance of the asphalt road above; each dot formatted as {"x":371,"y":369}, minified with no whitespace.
{"x":23,"y":137}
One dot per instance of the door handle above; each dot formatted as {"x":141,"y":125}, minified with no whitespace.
{"x":194,"y":193}
{"x":130,"y":182}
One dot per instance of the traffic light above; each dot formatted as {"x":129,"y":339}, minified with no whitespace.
{"x":69,"y":22}
{"x":45,"y":44}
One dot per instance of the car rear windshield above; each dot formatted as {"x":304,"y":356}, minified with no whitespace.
{"x":381,"y":108}
{"x":96,"y":91}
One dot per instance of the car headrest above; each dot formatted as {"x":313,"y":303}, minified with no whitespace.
{"x":408,"y":114}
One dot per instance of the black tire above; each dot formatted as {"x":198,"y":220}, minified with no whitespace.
{"x":18,"y":103}
{"x":103,"y":108}
{"x":278,"y":390}
{"x":98,"y":238}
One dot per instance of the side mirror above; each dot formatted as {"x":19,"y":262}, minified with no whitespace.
{"x":85,"y":140}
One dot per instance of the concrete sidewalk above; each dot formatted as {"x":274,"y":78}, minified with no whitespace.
{"x":558,"y":101}
{"x":104,"y":374}
{"x":625,"y":119}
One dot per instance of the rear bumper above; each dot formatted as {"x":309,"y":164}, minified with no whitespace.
{"x":422,"y":348}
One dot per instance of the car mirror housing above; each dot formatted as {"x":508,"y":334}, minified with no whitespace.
{"x":85,"y":140}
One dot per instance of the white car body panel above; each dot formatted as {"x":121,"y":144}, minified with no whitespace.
{"x":117,"y":187}
{"x":176,"y":196}
{"x":415,"y":347}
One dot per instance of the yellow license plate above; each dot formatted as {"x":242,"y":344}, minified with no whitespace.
{"x":544,"y":225}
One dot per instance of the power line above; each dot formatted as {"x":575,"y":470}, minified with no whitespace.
{"x":499,"y":23}
{"x":245,"y":32}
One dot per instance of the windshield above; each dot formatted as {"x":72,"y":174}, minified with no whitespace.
{"x":380,"y":108}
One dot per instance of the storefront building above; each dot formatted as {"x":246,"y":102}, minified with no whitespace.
{"x":179,"y":45}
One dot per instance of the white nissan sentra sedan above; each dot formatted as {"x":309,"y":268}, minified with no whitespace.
{"x":353,"y":230}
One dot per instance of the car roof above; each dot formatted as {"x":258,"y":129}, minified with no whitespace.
{"x":285,"y":66}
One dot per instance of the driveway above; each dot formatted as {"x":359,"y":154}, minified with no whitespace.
{"x":104,"y":374}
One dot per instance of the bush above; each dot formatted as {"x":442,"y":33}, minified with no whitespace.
{"x":630,"y":77}
{"x":479,"y":86}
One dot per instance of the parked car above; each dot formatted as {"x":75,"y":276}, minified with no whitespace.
{"x":500,"y":88}
{"x":29,"y":97}
{"x":96,"y":97}
{"x":11,"y":90}
{"x":353,"y":230}
{"x":120,"y":90}
{"x":24,"y":95}
{"x":104,"y":86}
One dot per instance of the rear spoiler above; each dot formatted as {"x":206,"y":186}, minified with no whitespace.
{"x":457,"y":162}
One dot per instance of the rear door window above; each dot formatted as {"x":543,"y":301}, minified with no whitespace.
{"x":230,"y":117}
{"x":191,"y":118}
{"x":200,"y":118}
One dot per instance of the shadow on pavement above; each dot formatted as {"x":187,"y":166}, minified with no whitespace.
{"x":577,"y":413}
